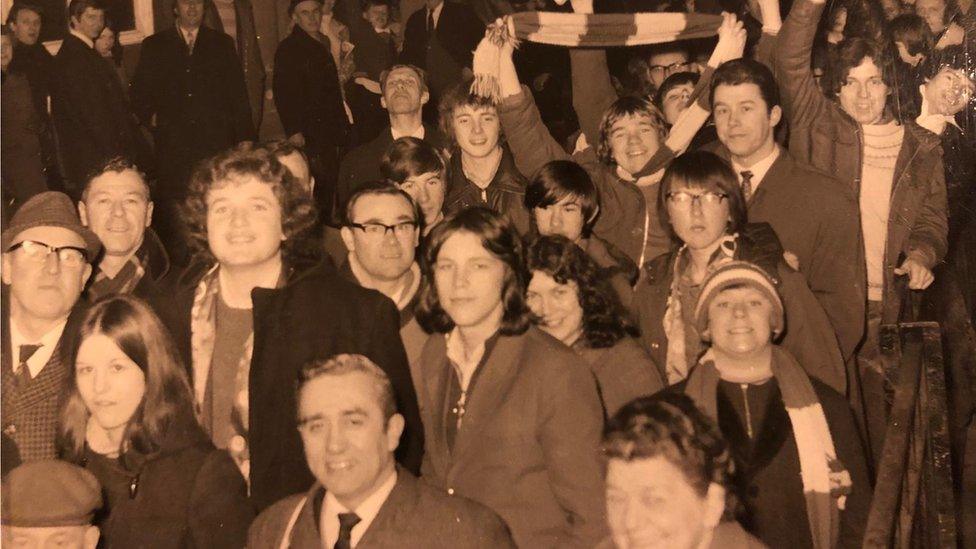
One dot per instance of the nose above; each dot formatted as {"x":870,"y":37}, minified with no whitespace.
{"x":633,"y":137}
{"x":476,"y":127}
{"x":739,"y":310}
{"x":422,"y":194}
{"x":100,"y":383}
{"x":632,"y":517}
{"x":52,"y":263}
{"x":389,"y":237}
{"x":238,"y":217}
{"x":336,"y":439}
{"x":556,"y":219}
{"x":117,"y":209}
{"x":461,"y":278}
{"x":862,"y":91}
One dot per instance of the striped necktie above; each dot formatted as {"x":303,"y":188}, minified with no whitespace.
{"x":23,"y":372}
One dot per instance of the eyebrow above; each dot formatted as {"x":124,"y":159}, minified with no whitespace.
{"x":400,"y":219}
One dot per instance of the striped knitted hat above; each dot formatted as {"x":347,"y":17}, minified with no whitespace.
{"x":739,"y":273}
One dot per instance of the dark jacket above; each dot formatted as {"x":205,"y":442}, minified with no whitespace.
{"x":809,"y":336}
{"x":188,"y":494}
{"x":413,"y":515}
{"x":90,"y":112}
{"x":817,"y":219}
{"x":362,"y":164}
{"x":505,"y":194}
{"x":458,"y":31}
{"x":316,"y":314}
{"x":22,"y":169}
{"x":37,"y":64}
{"x":623,"y":372}
{"x":306,"y":89}
{"x":198,"y":100}
{"x":31,"y":415}
{"x":248,"y":50}
{"x":527,"y":447}
{"x":826,"y":137}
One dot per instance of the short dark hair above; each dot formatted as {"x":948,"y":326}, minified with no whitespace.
{"x":673,"y":81}
{"x":284,"y":147}
{"x":668,"y":425}
{"x":702,"y":169}
{"x":912,"y":31}
{"x":409,"y":157}
{"x":379,"y":188}
{"x":456,"y":97}
{"x":77,"y":7}
{"x":851,"y":53}
{"x":622,"y":108}
{"x":348,"y":364}
{"x":746,"y":71}
{"x":298,"y":215}
{"x":561,"y":178}
{"x":24,"y":6}
{"x":421,"y":75}
{"x":500,"y":238}
{"x":366,"y":4}
{"x":604,"y":319}
{"x":117,"y":164}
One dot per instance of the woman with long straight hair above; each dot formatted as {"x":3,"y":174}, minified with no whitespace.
{"x":129,"y":420}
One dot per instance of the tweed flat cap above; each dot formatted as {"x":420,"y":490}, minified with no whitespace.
{"x":50,"y":209}
{"x":49,"y":493}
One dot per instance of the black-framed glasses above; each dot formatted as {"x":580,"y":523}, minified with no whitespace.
{"x":684,"y":199}
{"x":680,"y":66}
{"x":34,"y":250}
{"x":375,"y":229}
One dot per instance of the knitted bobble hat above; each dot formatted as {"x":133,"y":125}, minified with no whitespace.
{"x":738,"y":274}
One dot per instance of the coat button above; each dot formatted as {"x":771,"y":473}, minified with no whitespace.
{"x":450,"y":491}
{"x":655,"y":345}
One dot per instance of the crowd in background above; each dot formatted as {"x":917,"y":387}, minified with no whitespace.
{"x":632,"y":299}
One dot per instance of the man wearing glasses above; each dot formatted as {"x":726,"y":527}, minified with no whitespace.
{"x":382,"y":232}
{"x":667,"y":59}
{"x":47,"y":256}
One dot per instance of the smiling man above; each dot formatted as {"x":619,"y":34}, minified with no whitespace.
{"x":116,"y":205}
{"x":350,"y":427}
{"x":260,"y":306}
{"x":46,"y":262}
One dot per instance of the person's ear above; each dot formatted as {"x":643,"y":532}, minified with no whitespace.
{"x":714,"y":505}
{"x":775,"y":115}
{"x":149,"y":212}
{"x":382,"y":99}
{"x":5,"y":270}
{"x":347,"y":239}
{"x":596,"y":212}
{"x":424,"y":97}
{"x":82,"y":213}
{"x":394,"y":428}
{"x":92,"y":534}
{"x":85,"y":274}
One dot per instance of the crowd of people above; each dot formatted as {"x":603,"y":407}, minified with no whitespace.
{"x":632,"y":298}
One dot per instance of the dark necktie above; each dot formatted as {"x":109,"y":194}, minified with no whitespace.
{"x":23,"y":373}
{"x":346,"y":523}
{"x":746,"y":185}
{"x":430,"y":22}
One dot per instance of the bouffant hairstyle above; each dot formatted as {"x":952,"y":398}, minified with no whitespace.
{"x":604,"y":321}
{"x":555,"y":181}
{"x":622,"y":108}
{"x":747,"y":71}
{"x":706,"y":171}
{"x":499,"y":237}
{"x":457,"y":97}
{"x":241,"y":163}
{"x":668,"y":425}
{"x":851,"y":53}
{"x":409,"y":157}
{"x":167,"y":405}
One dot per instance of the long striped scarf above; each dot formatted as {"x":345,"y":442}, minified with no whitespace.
{"x":582,"y":30}
{"x":825,"y":480}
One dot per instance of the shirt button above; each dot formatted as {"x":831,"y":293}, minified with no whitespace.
{"x":450,"y":491}
{"x":453,"y":410}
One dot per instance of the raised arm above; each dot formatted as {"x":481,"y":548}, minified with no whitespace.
{"x":802,"y":99}
{"x":593,"y":91}
{"x":528,"y":138}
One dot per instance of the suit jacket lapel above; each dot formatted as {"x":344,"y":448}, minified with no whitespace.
{"x":435,"y":374}
{"x":777,"y":175}
{"x":395,"y":513}
{"x":493,"y":384}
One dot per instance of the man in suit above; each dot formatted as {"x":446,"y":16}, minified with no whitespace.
{"x":308,"y":96}
{"x":350,"y":427}
{"x":90,"y":112}
{"x":815,"y":216}
{"x":259,"y":306}
{"x":404,"y":94}
{"x":441,"y":38}
{"x":47,"y":256}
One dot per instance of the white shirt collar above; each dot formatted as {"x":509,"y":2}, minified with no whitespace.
{"x":188,"y":33}
{"x":366,"y":511}
{"x":83,"y":38}
{"x":464,"y":365}
{"x":437,"y":13}
{"x":38,"y":360}
{"x":419,"y":133}
{"x":759,"y":169}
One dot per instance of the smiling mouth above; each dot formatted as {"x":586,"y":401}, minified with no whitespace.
{"x":338,"y":466}
{"x":242,"y":239}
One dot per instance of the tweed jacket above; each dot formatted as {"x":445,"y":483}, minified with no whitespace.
{"x":528,"y":446}
{"x":826,"y":137}
{"x":30,"y":416}
{"x":816,"y":217}
{"x":413,"y":515}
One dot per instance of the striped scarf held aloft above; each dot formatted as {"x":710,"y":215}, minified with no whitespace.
{"x":600,"y":30}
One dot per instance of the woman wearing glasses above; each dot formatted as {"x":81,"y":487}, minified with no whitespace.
{"x":512,"y":417}
{"x":129,"y":420}
{"x":701,"y":202}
